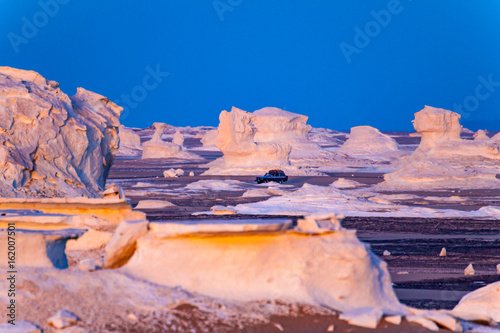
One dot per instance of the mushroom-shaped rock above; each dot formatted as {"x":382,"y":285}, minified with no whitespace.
{"x":156,"y":147}
{"x":443,"y":159}
{"x":437,"y":125}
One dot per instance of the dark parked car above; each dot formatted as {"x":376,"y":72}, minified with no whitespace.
{"x":273,"y":176}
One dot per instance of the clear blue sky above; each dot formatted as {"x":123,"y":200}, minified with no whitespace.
{"x":303,"y":56}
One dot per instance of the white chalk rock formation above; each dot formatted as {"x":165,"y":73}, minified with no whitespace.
{"x":208,"y":140}
{"x":39,"y":248}
{"x":157,"y":148}
{"x":483,"y":303}
{"x":443,"y":159}
{"x":241,"y":153}
{"x":274,"y":125}
{"x":368,"y":142}
{"x":331,"y":268}
{"x":122,"y":245}
{"x":52,"y":145}
{"x":271,"y":138}
{"x":178,"y":138}
{"x":481,"y":135}
{"x":130,"y":142}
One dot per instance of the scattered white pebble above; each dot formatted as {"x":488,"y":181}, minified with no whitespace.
{"x":179,"y":172}
{"x":443,"y":252}
{"x":402,"y":273}
{"x":87,"y":265}
{"x":330,"y":328}
{"x":170,"y":173}
{"x":498,"y":268}
{"x":132,"y":317}
{"x":278,"y":326}
{"x":191,"y":174}
{"x":63,"y":319}
{"x":469,"y":270}
{"x":387,"y":253}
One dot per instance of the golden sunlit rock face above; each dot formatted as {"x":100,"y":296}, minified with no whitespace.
{"x":52,"y":145}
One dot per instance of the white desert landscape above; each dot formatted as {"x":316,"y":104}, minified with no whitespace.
{"x":164,"y":229}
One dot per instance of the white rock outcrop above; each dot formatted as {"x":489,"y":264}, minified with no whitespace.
{"x":242,"y":154}
{"x":157,"y":148}
{"x":443,"y":159}
{"x":481,"y":135}
{"x":369,"y":142}
{"x":122,"y":245}
{"x":178,"y":138}
{"x":130,"y":142}
{"x":331,"y":268}
{"x":208,"y":140}
{"x":481,"y":304}
{"x":52,"y":145}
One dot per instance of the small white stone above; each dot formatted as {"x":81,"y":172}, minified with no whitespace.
{"x":330,"y":328}
{"x":132,"y":317}
{"x":469,"y":270}
{"x":498,"y":268}
{"x":170,"y":173}
{"x":179,"y":172}
{"x":443,"y":252}
{"x":191,"y":174}
{"x":278,"y":326}
{"x":87,"y":265}
{"x":387,"y":253}
{"x":63,"y":319}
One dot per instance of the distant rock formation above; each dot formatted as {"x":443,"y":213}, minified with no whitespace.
{"x":236,"y":140}
{"x":481,"y":135}
{"x":443,"y":159}
{"x":157,"y":148}
{"x":52,"y":145}
{"x":368,"y":142}
{"x":208,"y":139}
{"x":130,"y":142}
{"x":178,"y":138}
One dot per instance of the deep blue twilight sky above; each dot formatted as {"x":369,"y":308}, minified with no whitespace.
{"x":307,"y":57}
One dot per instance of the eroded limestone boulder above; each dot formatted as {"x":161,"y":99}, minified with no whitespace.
{"x":52,"y":145}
